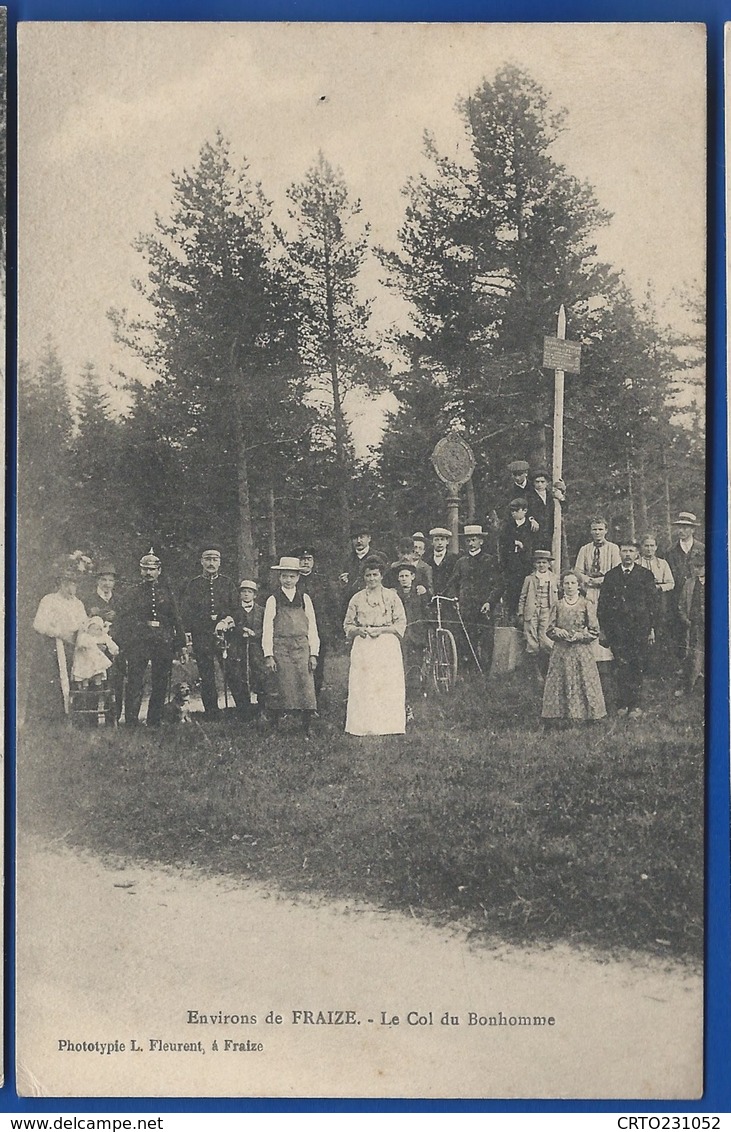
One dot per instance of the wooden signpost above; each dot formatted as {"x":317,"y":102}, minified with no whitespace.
{"x":454,"y":462}
{"x":562,"y":357}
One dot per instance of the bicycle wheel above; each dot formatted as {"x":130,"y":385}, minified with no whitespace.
{"x":444,"y":672}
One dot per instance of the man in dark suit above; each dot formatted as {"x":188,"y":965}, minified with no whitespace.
{"x":441,"y":560}
{"x":208,"y":598}
{"x":353,"y":568}
{"x":627,"y":611}
{"x":539,"y":498}
{"x":149,"y":631}
{"x":475,"y":584}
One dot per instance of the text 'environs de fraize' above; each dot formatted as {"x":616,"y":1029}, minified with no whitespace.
{"x":382,"y":1018}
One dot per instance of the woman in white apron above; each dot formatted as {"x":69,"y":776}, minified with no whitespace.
{"x":375,"y":623}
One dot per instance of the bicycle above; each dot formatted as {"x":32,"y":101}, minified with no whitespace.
{"x":440,"y":657}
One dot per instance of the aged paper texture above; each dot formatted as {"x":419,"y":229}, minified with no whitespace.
{"x":350,"y":240}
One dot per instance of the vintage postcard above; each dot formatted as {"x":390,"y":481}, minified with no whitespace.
{"x":361,"y":560}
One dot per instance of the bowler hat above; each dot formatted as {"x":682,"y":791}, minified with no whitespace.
{"x":361,"y":527}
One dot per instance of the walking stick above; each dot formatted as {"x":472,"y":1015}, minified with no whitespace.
{"x":63,"y":675}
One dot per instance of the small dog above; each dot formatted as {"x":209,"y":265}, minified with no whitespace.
{"x":177,"y":710}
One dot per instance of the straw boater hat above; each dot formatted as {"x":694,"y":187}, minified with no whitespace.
{"x":685,"y":519}
{"x":288,"y":563}
{"x":440,"y":531}
{"x":473,"y":529}
{"x":542,"y":556}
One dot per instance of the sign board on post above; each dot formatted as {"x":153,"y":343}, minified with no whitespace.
{"x":454,"y":462}
{"x":563,"y":355}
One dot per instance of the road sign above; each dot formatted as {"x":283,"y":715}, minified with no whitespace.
{"x":453,"y":459}
{"x":562,"y":355}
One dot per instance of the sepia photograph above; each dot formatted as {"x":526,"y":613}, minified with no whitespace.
{"x":361,"y":560}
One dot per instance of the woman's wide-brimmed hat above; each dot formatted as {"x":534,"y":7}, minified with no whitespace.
{"x":72,"y":565}
{"x":288,"y":563}
{"x":685,"y":519}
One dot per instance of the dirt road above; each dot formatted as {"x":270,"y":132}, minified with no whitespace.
{"x":121,"y":953}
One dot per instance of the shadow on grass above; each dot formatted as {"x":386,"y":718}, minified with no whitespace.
{"x":593,"y":836}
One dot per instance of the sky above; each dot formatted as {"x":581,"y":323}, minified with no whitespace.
{"x":109,"y":111}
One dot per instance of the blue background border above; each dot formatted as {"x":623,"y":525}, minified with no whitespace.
{"x":717,"y":1091}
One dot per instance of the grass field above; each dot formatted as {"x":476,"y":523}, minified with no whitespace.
{"x":592,"y":836}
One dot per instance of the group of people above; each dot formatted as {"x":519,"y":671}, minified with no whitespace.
{"x":270,"y":643}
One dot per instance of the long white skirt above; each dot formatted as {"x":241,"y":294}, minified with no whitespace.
{"x":376,"y":688}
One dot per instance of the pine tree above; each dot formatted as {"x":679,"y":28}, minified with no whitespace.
{"x":216,"y":423}
{"x":327,"y":251}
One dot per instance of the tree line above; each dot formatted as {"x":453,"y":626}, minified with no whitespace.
{"x":254,"y":334}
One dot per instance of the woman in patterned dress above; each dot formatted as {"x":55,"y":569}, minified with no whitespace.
{"x":573,"y":690}
{"x":375,"y":623}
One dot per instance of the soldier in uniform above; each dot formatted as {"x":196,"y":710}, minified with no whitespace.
{"x":149,"y":631}
{"x":208,"y":599}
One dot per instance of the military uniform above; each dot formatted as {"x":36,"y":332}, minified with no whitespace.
{"x":149,"y":631}
{"x":207,"y":600}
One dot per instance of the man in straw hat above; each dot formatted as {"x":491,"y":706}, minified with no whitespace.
{"x":681,"y":558}
{"x":476,"y":585}
{"x":291,"y":646}
{"x":149,"y":631}
{"x":208,"y":599}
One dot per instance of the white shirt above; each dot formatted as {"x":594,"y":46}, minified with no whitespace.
{"x":270,"y":612}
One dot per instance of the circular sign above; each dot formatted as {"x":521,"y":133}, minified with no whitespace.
{"x":453,"y":459}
